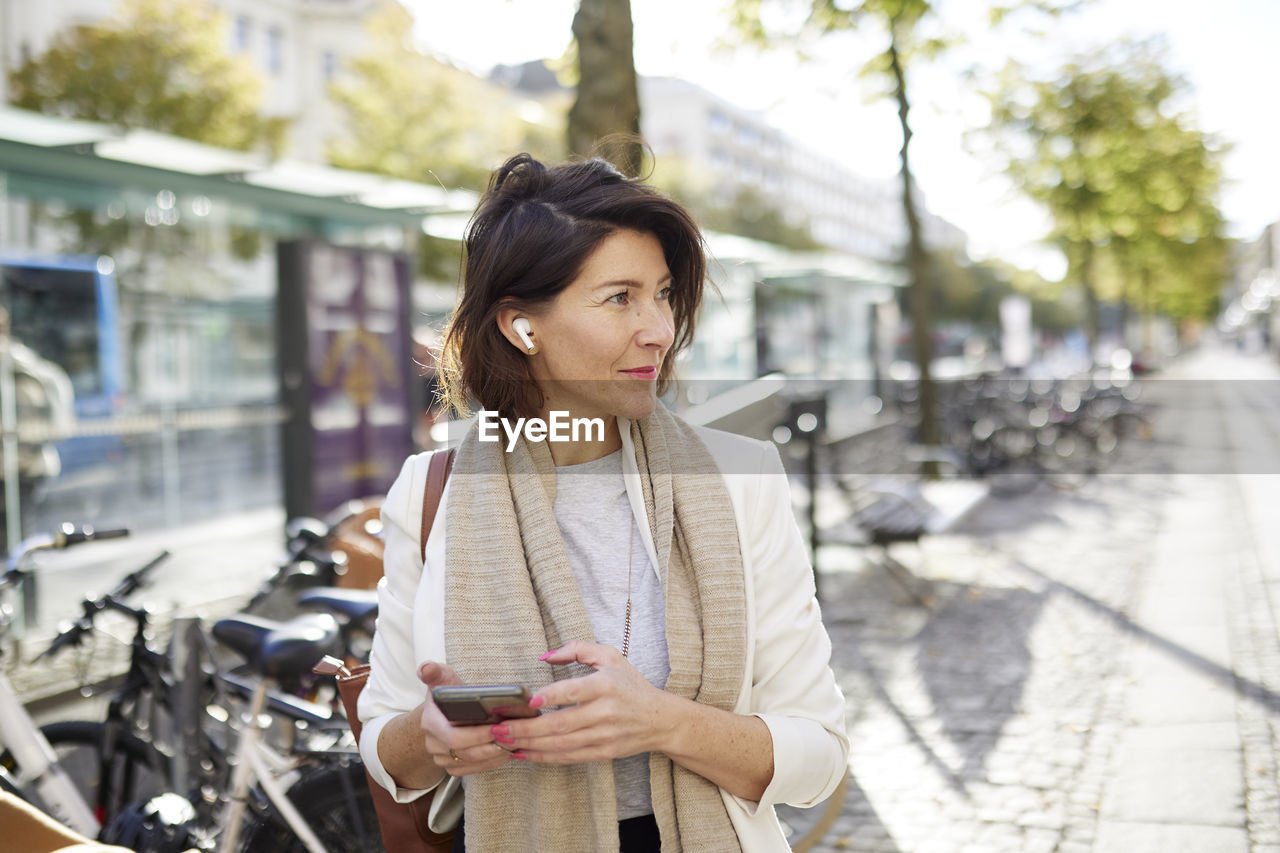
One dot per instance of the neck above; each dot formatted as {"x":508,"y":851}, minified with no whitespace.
{"x":577,"y":452}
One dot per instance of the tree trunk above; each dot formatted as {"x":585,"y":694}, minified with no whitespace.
{"x":918,"y":266}
{"x":1146,"y":343}
{"x":1092,"y":306}
{"x":608,"y":101}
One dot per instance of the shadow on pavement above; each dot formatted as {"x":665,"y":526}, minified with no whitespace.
{"x":807,"y":827}
{"x":973,"y":658}
{"x":1247,"y":688}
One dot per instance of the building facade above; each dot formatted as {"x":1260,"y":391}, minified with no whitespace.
{"x":297,"y":45}
{"x":732,"y":149}
{"x":1251,"y":299}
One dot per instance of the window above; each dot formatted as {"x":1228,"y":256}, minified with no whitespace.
{"x":328,"y":64}
{"x":54,"y":311}
{"x":240,"y":34}
{"x":275,"y":50}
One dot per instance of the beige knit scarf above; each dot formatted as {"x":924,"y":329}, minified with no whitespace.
{"x":511,"y":595}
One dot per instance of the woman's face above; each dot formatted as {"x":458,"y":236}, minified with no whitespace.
{"x":602,"y":341}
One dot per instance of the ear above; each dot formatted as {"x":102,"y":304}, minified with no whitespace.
{"x":505,"y":317}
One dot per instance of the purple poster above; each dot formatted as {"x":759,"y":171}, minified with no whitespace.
{"x":355,"y":410}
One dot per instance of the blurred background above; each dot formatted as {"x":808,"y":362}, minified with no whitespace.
{"x":984,"y":268}
{"x":229,"y":231}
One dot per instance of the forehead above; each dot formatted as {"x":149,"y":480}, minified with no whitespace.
{"x":624,"y":255}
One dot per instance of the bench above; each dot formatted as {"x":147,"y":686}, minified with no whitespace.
{"x":884,"y":511}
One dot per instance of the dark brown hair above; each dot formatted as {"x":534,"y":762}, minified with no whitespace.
{"x":532,"y":232}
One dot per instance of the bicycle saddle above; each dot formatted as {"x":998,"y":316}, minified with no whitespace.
{"x":280,"y":649}
{"x":355,"y":604}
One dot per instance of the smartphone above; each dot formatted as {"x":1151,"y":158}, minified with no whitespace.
{"x":474,"y":705}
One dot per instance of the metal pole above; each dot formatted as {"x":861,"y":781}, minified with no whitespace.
{"x":9,"y":431}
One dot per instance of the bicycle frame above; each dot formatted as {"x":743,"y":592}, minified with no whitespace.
{"x":255,"y":762}
{"x":38,"y":766}
{"x":258,"y":766}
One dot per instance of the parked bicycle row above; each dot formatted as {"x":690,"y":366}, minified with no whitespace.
{"x":224,"y":739}
{"x":1017,"y":432}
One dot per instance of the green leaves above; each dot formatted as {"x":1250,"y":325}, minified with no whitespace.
{"x":414,"y":117}
{"x":160,"y":65}
{"x":1130,"y":182}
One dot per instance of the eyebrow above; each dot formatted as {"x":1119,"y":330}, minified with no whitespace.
{"x":631,"y":282}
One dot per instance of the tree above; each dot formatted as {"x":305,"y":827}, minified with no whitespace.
{"x":608,"y":101}
{"x":161,"y":65}
{"x":1128,"y":180}
{"x":412,"y":116}
{"x":901,"y":22}
{"x":911,"y":30}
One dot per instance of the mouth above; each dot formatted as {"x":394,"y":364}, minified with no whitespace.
{"x":650,"y":372}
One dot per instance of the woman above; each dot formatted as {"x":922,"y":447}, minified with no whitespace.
{"x":647,"y":582}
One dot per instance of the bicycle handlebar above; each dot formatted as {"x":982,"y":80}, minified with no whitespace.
{"x":66,"y":536}
{"x":129,"y":584}
{"x":69,"y":535}
{"x":67,"y":637}
{"x":135,"y":579}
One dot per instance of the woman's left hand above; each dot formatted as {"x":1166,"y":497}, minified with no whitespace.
{"x":614,"y":712}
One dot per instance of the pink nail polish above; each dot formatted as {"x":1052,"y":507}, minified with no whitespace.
{"x":500,"y":731}
{"x":519,"y":756}
{"x":547,"y":655}
{"x":504,"y":739}
{"x":537,"y":702}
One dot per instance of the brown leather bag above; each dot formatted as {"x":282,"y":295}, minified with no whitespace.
{"x":403,"y":825}
{"x":361,"y":549}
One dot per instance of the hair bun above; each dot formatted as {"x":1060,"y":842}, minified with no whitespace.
{"x":521,"y":177}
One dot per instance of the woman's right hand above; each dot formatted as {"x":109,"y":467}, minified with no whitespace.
{"x":458,"y":750}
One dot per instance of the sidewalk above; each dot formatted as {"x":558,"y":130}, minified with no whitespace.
{"x":1101,"y":671}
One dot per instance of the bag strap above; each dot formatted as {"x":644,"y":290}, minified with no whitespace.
{"x":438,"y":469}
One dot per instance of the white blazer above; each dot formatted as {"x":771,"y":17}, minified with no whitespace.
{"x":788,"y":681}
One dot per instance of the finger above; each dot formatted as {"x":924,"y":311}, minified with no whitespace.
{"x":441,"y":734}
{"x":467,"y":737}
{"x":549,"y":726}
{"x":577,"y":756}
{"x":433,"y":720}
{"x":434,"y":674}
{"x":476,"y":759}
{"x":570,"y":691}
{"x":580,"y":651}
{"x":574,"y":743}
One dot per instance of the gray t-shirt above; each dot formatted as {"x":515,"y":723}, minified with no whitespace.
{"x":596,"y":521}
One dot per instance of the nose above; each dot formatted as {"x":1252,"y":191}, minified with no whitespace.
{"x":656,"y":325}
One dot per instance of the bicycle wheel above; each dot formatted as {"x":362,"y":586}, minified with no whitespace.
{"x":134,"y":771}
{"x":335,"y":802}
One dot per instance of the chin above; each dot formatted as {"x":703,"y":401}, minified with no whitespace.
{"x":637,"y":407}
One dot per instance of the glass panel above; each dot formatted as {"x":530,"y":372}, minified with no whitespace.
{"x":55,"y":313}
{"x":155,"y":311}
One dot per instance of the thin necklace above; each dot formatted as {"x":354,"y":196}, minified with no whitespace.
{"x":626,"y":628}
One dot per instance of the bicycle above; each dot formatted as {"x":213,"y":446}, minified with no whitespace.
{"x":166,"y":730}
{"x":319,"y":553}
{"x":35,"y":771}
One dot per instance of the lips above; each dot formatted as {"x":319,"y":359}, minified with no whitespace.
{"x":642,"y":372}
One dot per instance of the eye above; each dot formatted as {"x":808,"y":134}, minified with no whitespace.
{"x":665,"y":293}
{"x":619,"y":298}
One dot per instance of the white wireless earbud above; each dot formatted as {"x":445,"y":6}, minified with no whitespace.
{"x":521,"y":327}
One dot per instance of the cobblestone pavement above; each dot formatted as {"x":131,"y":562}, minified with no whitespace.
{"x":1099,"y":671}
{"x":1062,"y":693}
